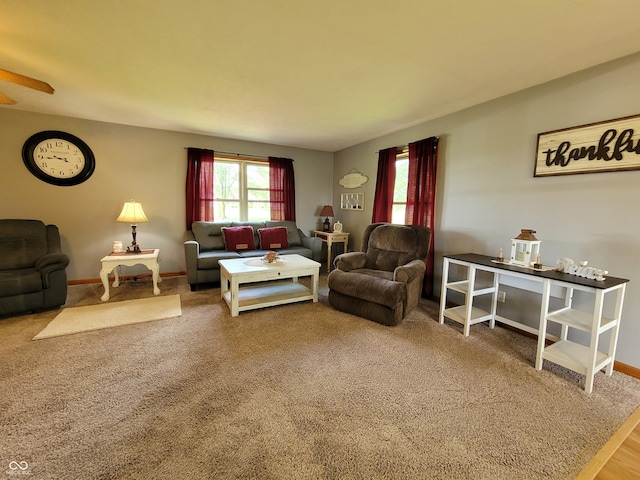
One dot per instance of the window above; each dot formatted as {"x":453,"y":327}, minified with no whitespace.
{"x":406,"y":191}
{"x":240,"y":190}
{"x":400,"y":188}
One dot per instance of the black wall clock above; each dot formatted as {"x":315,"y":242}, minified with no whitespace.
{"x":58,"y":158}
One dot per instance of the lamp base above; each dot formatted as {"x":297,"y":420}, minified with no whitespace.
{"x":133,"y":249}
{"x":326,"y":226}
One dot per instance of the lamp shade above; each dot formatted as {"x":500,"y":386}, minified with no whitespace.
{"x":132,"y":213}
{"x":327,"y":211}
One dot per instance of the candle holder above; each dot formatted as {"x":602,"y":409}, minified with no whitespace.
{"x":525,"y":248}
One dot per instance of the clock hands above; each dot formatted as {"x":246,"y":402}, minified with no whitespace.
{"x":55,"y":157}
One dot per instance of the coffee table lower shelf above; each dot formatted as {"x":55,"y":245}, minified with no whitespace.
{"x":269,"y":294}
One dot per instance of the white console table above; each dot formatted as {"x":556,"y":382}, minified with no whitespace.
{"x":584,"y":359}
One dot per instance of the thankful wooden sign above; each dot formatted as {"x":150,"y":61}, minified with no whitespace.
{"x":597,"y":147}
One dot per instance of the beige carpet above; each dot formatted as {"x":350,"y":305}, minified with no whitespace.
{"x":108,"y":315}
{"x":293,"y":392}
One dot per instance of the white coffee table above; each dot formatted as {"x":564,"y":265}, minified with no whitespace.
{"x":148,"y":258}
{"x":266,"y":284}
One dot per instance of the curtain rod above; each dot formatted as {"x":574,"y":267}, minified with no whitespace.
{"x":402,"y":147}
{"x":234,"y":153}
{"x":262,"y":157}
{"x":399,"y":147}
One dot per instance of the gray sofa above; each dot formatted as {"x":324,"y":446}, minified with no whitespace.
{"x":32,"y":267}
{"x":204,"y":247}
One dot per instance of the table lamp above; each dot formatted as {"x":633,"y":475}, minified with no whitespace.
{"x":132,"y":213}
{"x":327,"y":211}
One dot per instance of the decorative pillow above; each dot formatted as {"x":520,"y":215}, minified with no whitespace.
{"x":273,"y":237}
{"x":293,"y":236}
{"x":238,"y":238}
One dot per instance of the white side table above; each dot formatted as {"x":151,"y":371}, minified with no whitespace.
{"x":148,"y":258}
{"x":330,"y":238}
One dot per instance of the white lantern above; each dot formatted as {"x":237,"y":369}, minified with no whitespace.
{"x":525,"y":249}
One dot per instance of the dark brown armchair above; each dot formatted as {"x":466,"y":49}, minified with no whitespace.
{"x":32,"y":267}
{"x":383,"y":282}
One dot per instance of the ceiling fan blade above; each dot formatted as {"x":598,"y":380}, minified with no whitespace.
{"x":4,"y":100}
{"x":26,"y":81}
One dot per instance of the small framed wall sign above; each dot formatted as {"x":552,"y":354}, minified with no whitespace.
{"x":597,"y":147}
{"x":352,"y":201}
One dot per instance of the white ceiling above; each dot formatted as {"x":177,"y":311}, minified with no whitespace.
{"x":323,"y":75}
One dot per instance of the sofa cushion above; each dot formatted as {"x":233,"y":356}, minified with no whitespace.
{"x":272,"y":238}
{"x":209,"y":260}
{"x":293,"y":235}
{"x":19,"y":282}
{"x":252,"y":253}
{"x":238,"y":238}
{"x":303,"y":251}
{"x":209,"y":234}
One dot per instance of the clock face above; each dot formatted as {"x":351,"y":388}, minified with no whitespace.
{"x":58,"y":158}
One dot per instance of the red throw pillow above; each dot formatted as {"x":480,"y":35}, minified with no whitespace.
{"x":238,"y":238}
{"x":273,"y":237}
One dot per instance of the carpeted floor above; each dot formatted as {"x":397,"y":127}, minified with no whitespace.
{"x":293,"y":392}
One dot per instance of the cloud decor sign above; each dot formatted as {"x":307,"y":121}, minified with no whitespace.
{"x":596,"y":147}
{"x":353,"y":179}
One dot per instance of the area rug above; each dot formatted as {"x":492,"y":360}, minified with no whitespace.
{"x":107,"y":315}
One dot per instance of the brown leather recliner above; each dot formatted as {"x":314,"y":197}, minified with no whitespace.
{"x":383,"y":282}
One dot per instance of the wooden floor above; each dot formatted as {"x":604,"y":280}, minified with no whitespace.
{"x":619,"y":459}
{"x":625,"y":462}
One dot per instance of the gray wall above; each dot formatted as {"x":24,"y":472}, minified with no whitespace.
{"x":131,"y":163}
{"x":487,"y":192}
{"x":486,"y":189}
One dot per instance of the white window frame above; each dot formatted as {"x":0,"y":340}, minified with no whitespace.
{"x":243,"y":201}
{"x":401,"y":156}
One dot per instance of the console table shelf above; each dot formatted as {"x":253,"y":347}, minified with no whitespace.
{"x":574,"y":356}
{"x":580,"y":320}
{"x":463,"y":287}
{"x":459,"y":314}
{"x":467,"y":314}
{"x":586,"y":360}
